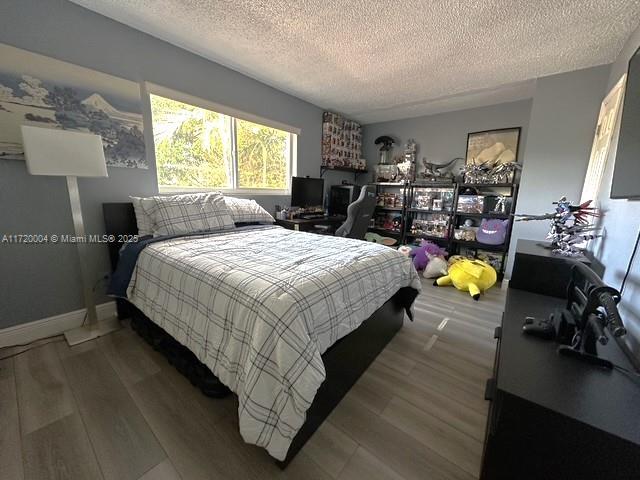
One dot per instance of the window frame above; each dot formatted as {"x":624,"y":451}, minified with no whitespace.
{"x":294,"y":132}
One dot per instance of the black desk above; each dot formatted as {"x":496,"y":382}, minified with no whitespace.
{"x":556,"y":417}
{"x":306,"y":224}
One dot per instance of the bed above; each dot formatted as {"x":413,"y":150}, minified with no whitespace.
{"x":287,"y":320}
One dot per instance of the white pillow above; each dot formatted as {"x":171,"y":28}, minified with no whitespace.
{"x":142,"y":207}
{"x":247,"y":211}
{"x":178,"y":214}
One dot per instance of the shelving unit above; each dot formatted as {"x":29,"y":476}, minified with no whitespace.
{"x":385,"y":213}
{"x":506,"y":189}
{"x":420,"y":208}
{"x":355,"y":171}
{"x":409,"y":212}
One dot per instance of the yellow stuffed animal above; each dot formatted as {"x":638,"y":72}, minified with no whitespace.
{"x":474,"y":276}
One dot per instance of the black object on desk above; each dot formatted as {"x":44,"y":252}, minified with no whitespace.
{"x":554,"y":417}
{"x":537,"y":269}
{"x":307,"y":224}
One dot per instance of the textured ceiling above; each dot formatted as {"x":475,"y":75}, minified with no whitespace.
{"x":380,"y":60}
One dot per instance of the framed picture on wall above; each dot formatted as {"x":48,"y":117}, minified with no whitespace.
{"x":491,"y":148}
{"x":42,"y":91}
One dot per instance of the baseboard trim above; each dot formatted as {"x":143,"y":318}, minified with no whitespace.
{"x":46,"y":327}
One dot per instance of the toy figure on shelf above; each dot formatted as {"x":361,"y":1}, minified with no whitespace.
{"x":483,"y":173}
{"x":384,"y":170}
{"x":501,"y":205}
{"x":570,"y":226}
{"x":475,"y":173}
{"x":504,"y":173}
{"x":435,"y":172}
{"x":410,"y":150}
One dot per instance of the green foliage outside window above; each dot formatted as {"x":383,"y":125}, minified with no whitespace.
{"x":263,"y":154}
{"x":194,"y":148}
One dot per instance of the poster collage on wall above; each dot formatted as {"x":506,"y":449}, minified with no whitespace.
{"x":341,"y":142}
{"x":41,"y":91}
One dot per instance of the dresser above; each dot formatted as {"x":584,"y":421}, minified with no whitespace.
{"x":554,"y":417}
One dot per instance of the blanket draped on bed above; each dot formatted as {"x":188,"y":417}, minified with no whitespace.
{"x":259,"y":306}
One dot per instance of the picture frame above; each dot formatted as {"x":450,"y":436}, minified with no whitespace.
{"x":42,"y":91}
{"x":491,"y":148}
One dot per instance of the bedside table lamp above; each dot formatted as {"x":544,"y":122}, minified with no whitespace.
{"x":57,"y":152}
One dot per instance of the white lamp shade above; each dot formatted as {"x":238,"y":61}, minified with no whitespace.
{"x":50,"y":151}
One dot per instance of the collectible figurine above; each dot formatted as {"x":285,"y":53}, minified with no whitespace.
{"x":386,"y":144}
{"x":503,"y":173}
{"x":475,"y":173}
{"x":569,"y":226}
{"x":434,"y":171}
{"x":482,"y":173}
{"x":501,"y":205}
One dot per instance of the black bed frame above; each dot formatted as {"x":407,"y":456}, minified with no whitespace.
{"x":344,"y":362}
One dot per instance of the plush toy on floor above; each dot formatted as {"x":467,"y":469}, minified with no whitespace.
{"x":474,"y":276}
{"x":422,"y":253}
{"x":436,"y":267}
{"x":429,"y":259}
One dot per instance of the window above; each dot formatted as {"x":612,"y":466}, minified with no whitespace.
{"x":201,"y":149}
{"x":607,"y":124}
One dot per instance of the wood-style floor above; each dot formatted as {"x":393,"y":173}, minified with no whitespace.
{"x":115,"y":409}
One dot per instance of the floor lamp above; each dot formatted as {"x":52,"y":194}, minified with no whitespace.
{"x":50,"y":151}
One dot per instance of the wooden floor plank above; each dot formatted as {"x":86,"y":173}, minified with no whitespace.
{"x":366,"y":466}
{"x":163,"y":471}
{"x":457,"y":447}
{"x":462,"y":334}
{"x":474,"y":353}
{"x":464,"y":369}
{"x":447,"y":408}
{"x":330,"y":448}
{"x":395,"y":361}
{"x":10,"y":447}
{"x":392,"y":446}
{"x":60,"y":450}
{"x":131,"y":357}
{"x":439,"y":379}
{"x":187,"y":432}
{"x":125,"y":445}
{"x":44,"y":395}
{"x":367,"y":393}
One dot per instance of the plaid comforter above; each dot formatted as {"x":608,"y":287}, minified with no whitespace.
{"x":260,"y":306}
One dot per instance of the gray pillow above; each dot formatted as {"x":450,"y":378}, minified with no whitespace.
{"x":142,"y":207}
{"x":177,"y":214}
{"x":247,"y":211}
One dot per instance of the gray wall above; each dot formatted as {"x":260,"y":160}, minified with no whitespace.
{"x":41,"y":281}
{"x":443,"y":136}
{"x":564,"y":114}
{"x":621,"y":222}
